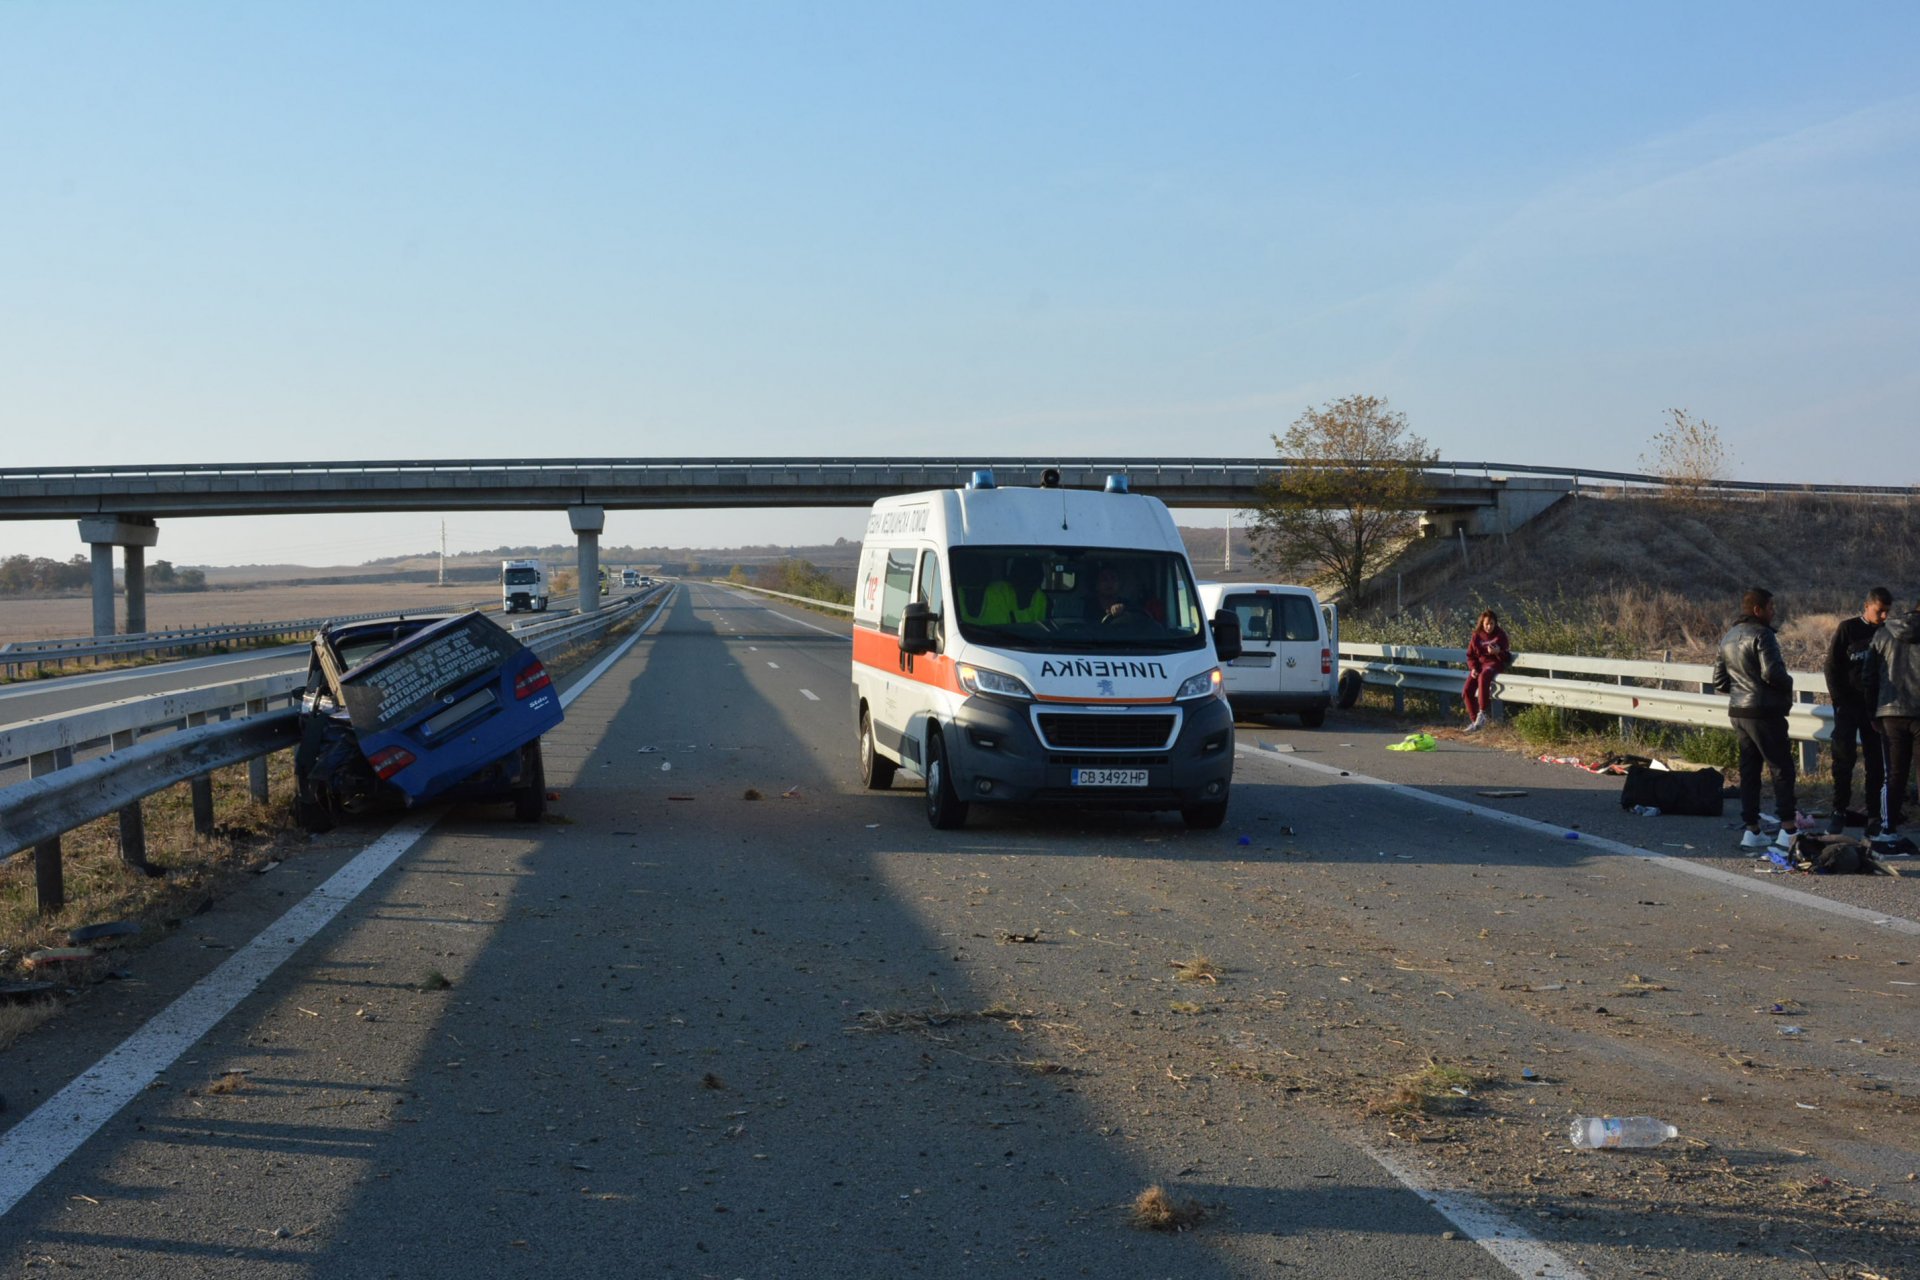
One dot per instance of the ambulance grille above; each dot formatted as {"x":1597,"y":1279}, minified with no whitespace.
{"x":1066,"y":731}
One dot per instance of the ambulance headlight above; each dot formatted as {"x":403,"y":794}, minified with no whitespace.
{"x":980,"y":680}
{"x":1204,"y":685}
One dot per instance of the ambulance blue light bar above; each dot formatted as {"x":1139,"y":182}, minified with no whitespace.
{"x":982,"y":480}
{"x":1117,"y":484}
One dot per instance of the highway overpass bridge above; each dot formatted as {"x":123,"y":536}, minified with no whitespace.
{"x":121,"y":505}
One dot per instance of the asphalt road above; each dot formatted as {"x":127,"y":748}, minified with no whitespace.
{"x":690,"y":1033}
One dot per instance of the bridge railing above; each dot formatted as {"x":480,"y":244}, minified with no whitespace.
{"x":183,"y":736}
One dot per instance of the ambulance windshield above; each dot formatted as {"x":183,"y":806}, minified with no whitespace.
{"x":1077,"y":599}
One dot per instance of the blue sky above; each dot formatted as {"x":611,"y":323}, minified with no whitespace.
{"x":241,"y":232}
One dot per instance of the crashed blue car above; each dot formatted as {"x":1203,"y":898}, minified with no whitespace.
{"x":399,"y":711}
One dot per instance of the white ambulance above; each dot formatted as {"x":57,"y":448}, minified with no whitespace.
{"x":1289,"y":648}
{"x":1033,"y":646}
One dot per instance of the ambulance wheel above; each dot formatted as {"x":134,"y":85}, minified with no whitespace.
{"x":1205,"y":817}
{"x":530,"y":801}
{"x":876,"y":771}
{"x":1315,"y":718}
{"x":945,"y":809}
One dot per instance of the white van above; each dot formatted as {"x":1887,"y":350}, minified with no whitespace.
{"x":1289,"y":648}
{"x":1042,"y":645}
{"x":523,"y":585}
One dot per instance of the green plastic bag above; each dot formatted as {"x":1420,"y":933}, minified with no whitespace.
{"x":1414,"y":742}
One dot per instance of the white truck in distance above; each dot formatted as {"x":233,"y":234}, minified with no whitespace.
{"x":523,"y":585}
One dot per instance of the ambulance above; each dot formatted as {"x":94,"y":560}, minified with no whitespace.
{"x":1039,"y":646}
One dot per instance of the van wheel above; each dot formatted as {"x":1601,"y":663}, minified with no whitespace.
{"x":1205,"y":817}
{"x":876,"y":771}
{"x":1315,"y":718}
{"x":1351,"y":682}
{"x":530,"y":801}
{"x":945,"y":809}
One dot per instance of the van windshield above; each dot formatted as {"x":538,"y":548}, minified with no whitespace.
{"x":1076,"y":599}
{"x":522,"y":577}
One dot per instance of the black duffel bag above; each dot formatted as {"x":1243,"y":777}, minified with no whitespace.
{"x":1692,"y":793}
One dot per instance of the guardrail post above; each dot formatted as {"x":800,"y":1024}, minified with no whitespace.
{"x":1626,"y":722}
{"x":49,"y":877}
{"x":257,"y":767}
{"x":133,"y":822}
{"x":201,"y":787}
{"x":1399,"y":700}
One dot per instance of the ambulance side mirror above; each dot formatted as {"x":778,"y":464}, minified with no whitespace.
{"x":1226,"y":634}
{"x":916,"y":628}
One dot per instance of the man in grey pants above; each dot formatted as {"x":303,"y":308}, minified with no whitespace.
{"x":1753,"y":675}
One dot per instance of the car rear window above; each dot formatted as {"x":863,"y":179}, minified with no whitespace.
{"x":1267,"y":617}
{"x":394,"y":690}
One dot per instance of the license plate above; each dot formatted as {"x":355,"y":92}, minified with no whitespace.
{"x":1109,"y":777}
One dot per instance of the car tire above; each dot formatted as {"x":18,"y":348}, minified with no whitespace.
{"x":530,"y":801}
{"x":1351,"y":682}
{"x":1207,"y":816}
{"x":314,"y":817}
{"x":1315,"y":718}
{"x":946,"y":811}
{"x":876,"y":771}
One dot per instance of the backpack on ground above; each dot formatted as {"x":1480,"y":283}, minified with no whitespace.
{"x":1831,"y":855}
{"x":1693,"y":793}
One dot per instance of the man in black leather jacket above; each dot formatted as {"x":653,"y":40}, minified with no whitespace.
{"x":1893,"y":691}
{"x":1846,"y":672}
{"x":1753,"y":675}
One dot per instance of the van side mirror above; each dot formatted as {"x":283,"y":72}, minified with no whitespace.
{"x":916,"y":628}
{"x":1226,"y":634}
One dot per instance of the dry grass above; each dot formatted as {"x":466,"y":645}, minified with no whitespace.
{"x":100,"y":888}
{"x":17,"y":1020}
{"x":1155,"y":1210}
{"x":1426,"y":1092}
{"x":1198,"y":968}
{"x":1660,"y":577}
{"x":231,"y":1082}
{"x":922,"y":1019}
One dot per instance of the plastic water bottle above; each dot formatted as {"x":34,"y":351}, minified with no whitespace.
{"x":1594,"y":1132}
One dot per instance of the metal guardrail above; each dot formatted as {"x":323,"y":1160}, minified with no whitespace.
{"x":1636,"y":690}
{"x":785,"y":595}
{"x":61,"y":794}
{"x":37,"y":653}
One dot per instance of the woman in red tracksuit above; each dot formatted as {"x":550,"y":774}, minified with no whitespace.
{"x":1487,"y":656}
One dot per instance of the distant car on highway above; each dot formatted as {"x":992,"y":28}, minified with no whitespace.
{"x":402,"y":710}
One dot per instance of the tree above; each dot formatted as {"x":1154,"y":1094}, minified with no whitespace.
{"x":1350,"y":490}
{"x":1688,"y":455}
{"x":161,"y":574}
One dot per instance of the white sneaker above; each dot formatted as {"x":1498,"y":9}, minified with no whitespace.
{"x":1784,"y":840}
{"x":1475,"y":725}
{"x":1754,"y":842}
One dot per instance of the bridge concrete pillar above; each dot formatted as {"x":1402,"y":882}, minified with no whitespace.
{"x":1516,"y":500}
{"x":587,"y":523}
{"x":133,"y":534}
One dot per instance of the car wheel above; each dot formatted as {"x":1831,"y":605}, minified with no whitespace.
{"x":1315,"y":718}
{"x":876,"y":771}
{"x":1351,"y":682}
{"x":1205,"y":817}
{"x":310,"y":815}
{"x":945,"y":809}
{"x":530,"y":801}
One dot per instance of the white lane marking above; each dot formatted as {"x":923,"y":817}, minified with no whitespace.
{"x":59,"y":1126}
{"x":753,"y":648}
{"x":580,"y":686}
{"x":810,"y":695}
{"x":1746,"y":883}
{"x":787,"y":617}
{"x":1486,"y":1226}
{"x":774,"y":665}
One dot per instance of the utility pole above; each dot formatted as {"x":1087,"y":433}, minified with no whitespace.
{"x":1227,"y":567}
{"x":443,"y":553}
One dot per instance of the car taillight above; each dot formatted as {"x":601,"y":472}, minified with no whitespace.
{"x":389,"y":761}
{"x":533,"y":679}
{"x":1326,"y":662}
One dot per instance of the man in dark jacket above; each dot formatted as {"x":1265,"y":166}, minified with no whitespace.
{"x":1846,"y":672}
{"x":1751,"y":672}
{"x":1893,"y":691}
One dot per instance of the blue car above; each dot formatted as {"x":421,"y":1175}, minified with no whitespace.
{"x":403,"y":710}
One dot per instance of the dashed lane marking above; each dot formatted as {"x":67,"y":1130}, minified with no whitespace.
{"x":810,"y":695}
